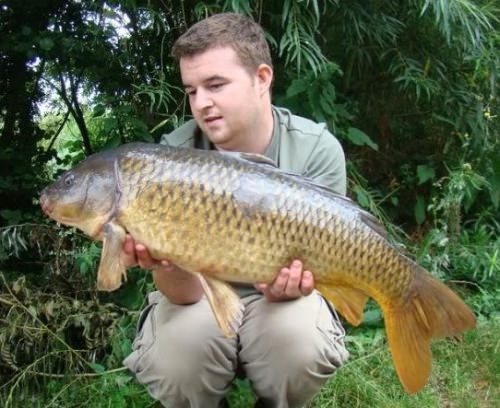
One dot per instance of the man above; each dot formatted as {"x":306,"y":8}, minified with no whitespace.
{"x":290,"y":341}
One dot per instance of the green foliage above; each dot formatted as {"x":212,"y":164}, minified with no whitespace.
{"x":300,"y":21}
{"x":474,"y":20}
{"x":55,"y":323}
{"x":461,"y":251}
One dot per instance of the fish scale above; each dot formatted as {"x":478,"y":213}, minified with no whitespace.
{"x":235,"y":217}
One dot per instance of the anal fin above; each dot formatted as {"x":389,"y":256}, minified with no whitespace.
{"x":225,"y":304}
{"x":349,"y":302}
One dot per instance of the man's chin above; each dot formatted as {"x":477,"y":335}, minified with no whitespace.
{"x":217,"y":137}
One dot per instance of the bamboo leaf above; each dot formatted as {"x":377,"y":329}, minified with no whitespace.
{"x":360,"y":138}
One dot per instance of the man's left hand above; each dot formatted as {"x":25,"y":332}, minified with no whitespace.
{"x":291,"y":283}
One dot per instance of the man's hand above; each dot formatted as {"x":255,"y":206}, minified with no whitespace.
{"x":137,"y":254}
{"x":291,"y":283}
{"x":179,"y":286}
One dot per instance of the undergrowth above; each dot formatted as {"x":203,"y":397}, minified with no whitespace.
{"x":465,"y":374}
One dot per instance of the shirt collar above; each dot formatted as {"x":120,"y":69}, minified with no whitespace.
{"x":273,"y":149}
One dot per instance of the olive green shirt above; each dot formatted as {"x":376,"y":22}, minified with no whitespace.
{"x":298,"y":145}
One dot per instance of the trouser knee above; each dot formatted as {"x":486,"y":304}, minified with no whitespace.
{"x":181,"y":356}
{"x":290,"y":350}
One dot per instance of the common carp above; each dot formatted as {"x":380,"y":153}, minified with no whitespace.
{"x":236,"y":217}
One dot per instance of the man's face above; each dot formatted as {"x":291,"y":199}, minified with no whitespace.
{"x":225,"y":99}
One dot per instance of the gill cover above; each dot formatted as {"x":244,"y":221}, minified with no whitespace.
{"x":85,"y":196}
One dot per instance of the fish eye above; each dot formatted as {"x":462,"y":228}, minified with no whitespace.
{"x":69,"y":180}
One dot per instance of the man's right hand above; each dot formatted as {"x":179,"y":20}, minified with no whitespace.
{"x":137,"y":254}
{"x":179,"y":286}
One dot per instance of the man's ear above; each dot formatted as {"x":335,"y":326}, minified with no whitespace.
{"x":264,"y":77}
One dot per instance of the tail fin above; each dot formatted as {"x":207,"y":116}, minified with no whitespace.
{"x":431,"y":311}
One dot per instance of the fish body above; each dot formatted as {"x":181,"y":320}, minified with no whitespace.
{"x":236,"y":217}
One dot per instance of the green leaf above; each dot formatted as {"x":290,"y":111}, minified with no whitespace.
{"x":32,"y":311}
{"x":420,"y":210}
{"x":297,"y":87}
{"x":98,"y":368}
{"x":425,"y":173}
{"x":98,"y":110}
{"x":46,"y":44}
{"x":12,"y":216}
{"x":84,"y":266}
{"x":113,"y":142}
{"x":109,"y":124}
{"x":329,"y":92}
{"x":361,"y":197}
{"x":360,"y":138}
{"x":494,"y":183}
{"x":327,"y":106}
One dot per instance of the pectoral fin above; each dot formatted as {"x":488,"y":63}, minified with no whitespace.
{"x":225,"y":304}
{"x":111,"y":269}
{"x":349,"y":302}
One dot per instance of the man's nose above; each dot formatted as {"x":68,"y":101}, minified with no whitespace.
{"x":201,"y":100}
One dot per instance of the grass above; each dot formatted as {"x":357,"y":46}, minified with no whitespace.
{"x":466,"y":374}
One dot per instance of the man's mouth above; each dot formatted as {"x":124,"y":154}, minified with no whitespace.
{"x":212,"y":119}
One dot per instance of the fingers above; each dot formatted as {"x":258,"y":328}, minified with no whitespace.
{"x":137,"y":254}
{"x":290,"y":283}
{"x":146,"y":261}
{"x":144,"y":258}
{"x":307,"y":283}
{"x":128,"y":252}
{"x":294,"y":278}
{"x":279,"y":287}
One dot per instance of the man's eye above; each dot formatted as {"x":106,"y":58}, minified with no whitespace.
{"x":216,"y":86}
{"x":190,"y":92}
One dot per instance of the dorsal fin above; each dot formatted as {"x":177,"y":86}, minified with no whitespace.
{"x":251,"y":157}
{"x":374,"y":224}
{"x":258,"y":158}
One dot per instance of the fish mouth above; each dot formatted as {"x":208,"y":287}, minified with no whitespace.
{"x":47,"y":206}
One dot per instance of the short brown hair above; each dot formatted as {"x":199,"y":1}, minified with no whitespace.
{"x":238,"y":31}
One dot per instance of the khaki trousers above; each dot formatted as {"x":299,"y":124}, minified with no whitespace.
{"x":287,"y":350}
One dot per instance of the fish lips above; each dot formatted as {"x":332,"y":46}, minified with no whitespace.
{"x":47,"y":206}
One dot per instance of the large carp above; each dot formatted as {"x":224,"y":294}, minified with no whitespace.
{"x":236,"y":217}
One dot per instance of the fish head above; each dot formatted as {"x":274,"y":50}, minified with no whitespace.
{"x":83,"y":197}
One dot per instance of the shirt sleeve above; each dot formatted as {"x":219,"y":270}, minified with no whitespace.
{"x":183,"y":136}
{"x":326,"y":163}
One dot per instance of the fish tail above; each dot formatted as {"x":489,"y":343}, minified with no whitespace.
{"x":431,"y":311}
